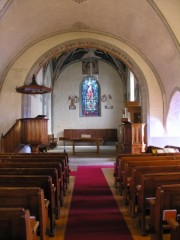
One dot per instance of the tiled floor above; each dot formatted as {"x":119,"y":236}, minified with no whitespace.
{"x":86,"y":155}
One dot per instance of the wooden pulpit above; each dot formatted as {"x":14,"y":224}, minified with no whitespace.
{"x":34,"y":131}
{"x":133,"y":137}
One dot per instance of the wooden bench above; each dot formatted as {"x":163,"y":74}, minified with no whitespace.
{"x":167,"y":198}
{"x":52,"y":172}
{"x":43,"y":158}
{"x":175,"y":229}
{"x":44,"y":155}
{"x":144,"y":158}
{"x":130,"y":165}
{"x":16,"y":223}
{"x":118,"y":162}
{"x":119,"y":157}
{"x":135,"y":180}
{"x":24,"y":164}
{"x":62,"y":158}
{"x":41,"y":181}
{"x":149,"y":183}
{"x":108,"y":135}
{"x":31,"y":198}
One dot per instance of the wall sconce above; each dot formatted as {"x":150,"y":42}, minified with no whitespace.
{"x":73,"y":99}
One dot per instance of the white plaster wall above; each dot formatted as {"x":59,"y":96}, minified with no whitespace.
{"x":69,"y":84}
{"x":10,"y":101}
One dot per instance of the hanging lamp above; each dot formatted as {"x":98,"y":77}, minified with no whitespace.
{"x":33,"y":88}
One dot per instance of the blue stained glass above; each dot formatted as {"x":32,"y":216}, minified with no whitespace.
{"x":90,"y":97}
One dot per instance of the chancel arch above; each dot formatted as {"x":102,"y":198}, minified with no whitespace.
{"x":32,"y":60}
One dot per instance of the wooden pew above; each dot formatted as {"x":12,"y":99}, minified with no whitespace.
{"x":41,"y":181}
{"x":25,"y":164}
{"x":16,"y":223}
{"x":129,"y":165}
{"x":149,"y":183}
{"x":52,"y":172}
{"x":149,"y":158}
{"x":137,"y":172}
{"x":48,"y":155}
{"x":175,"y":229}
{"x":167,"y":198}
{"x":118,"y":162}
{"x":121,"y":157}
{"x":58,"y":155}
{"x":106,"y":134}
{"x":31,"y":198}
{"x":42,"y":158}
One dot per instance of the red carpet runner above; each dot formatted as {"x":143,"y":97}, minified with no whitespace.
{"x":94,"y":214}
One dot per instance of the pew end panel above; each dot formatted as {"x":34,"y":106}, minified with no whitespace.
{"x":16,"y":223}
{"x":175,"y":229}
{"x":149,"y":183}
{"x":167,"y":199}
{"x":42,"y":181}
{"x":31,"y":198}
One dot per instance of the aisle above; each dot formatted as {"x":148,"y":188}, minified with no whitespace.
{"x":94,"y":213}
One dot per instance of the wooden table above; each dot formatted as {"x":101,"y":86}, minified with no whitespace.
{"x":89,"y":140}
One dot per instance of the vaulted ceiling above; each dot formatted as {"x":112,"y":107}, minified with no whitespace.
{"x":149,"y":27}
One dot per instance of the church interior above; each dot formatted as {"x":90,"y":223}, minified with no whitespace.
{"x":91,"y":82}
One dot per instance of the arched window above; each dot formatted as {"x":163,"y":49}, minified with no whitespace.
{"x":90,"y":97}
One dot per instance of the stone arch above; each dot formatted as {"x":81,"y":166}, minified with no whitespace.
{"x":106,"y":47}
{"x":35,"y":56}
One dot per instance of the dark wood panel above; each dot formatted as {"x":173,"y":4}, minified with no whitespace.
{"x":105,"y":134}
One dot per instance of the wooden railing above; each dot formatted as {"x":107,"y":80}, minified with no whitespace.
{"x":11,"y":139}
{"x":31,"y":131}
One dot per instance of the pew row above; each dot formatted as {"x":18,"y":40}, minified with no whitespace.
{"x":167,"y":199}
{"x":130,"y":165}
{"x":118,"y":162}
{"x":31,"y":198}
{"x":41,"y":181}
{"x":52,"y":172}
{"x":119,"y":157}
{"x":137,"y":172}
{"x":62,"y":159}
{"x":16,"y":223}
{"x":147,"y":190}
{"x":175,"y":229}
{"x":36,"y":165}
{"x":133,"y":159}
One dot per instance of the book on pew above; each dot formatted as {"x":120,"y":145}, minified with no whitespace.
{"x":169,"y":213}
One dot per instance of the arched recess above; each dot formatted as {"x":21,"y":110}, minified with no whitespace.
{"x":173,"y":116}
{"x":38,"y":54}
{"x":106,"y":47}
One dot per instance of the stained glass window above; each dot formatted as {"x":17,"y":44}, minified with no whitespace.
{"x":90,"y":97}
